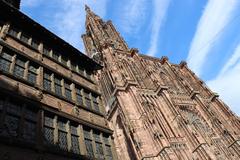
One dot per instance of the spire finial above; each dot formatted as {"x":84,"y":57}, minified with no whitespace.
{"x":87,"y":9}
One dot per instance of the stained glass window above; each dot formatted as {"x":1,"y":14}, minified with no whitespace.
{"x":19,"y":68}
{"x":58,"y":86}
{"x":32,"y":74}
{"x":68,"y":92}
{"x":5,"y":61}
{"x":79,"y":96}
{"x":47,"y":81}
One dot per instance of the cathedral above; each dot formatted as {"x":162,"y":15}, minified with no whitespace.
{"x":112,"y":104}
{"x":158,"y":110}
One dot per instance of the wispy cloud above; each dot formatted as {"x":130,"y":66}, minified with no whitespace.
{"x":216,"y":16}
{"x":133,"y":15}
{"x":30,"y":3}
{"x":227,"y":82}
{"x":69,"y":20}
{"x":160,"y":10}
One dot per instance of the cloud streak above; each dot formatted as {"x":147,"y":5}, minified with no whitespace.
{"x":216,"y":16}
{"x":69,"y":21}
{"x":227,"y":82}
{"x":133,"y":15}
{"x":160,"y":11}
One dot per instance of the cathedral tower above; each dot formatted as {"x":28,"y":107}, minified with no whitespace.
{"x":158,"y":110}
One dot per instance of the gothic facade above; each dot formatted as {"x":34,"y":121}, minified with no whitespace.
{"x":50,"y":104}
{"x":158,"y":110}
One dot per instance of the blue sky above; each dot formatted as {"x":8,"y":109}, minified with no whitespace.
{"x":205,"y":33}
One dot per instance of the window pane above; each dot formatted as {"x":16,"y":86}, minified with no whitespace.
{"x":6,"y":56}
{"x":48,"y":135}
{"x":29,"y":131}
{"x":64,"y":60}
{"x":32,"y":77}
{"x":55,"y":56}
{"x":79,"y":96}
{"x":87,"y":133}
{"x":62,"y":140}
{"x":58,"y":86}
{"x":108,"y":151}
{"x":19,"y":68}
{"x":4,"y":65}
{"x":31,"y":114}
{"x":47,"y":84}
{"x":99,"y":150}
{"x":89,"y":148}
{"x":11,"y":125}
{"x":46,"y":51}
{"x":97,"y":137}
{"x":18,"y":71}
{"x":75,"y":144}
{"x":62,"y":125}
{"x":105,"y":139}
{"x":24,"y":38}
{"x":68,"y":92}
{"x":14,"y":109}
{"x":87,"y":99}
{"x":13,"y":32}
{"x":48,"y":121}
{"x":35,"y":44}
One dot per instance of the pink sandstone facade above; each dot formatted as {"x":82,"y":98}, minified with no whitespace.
{"x":158,"y":110}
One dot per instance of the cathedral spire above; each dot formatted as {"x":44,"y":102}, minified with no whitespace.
{"x":100,"y":34}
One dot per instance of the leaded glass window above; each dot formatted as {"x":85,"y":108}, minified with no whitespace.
{"x":48,"y":130}
{"x":30,"y":130}
{"x":89,"y":147}
{"x":5,"y":61}
{"x":32,"y":74}
{"x":79,"y":96}
{"x":62,"y":135}
{"x":11,"y":125}
{"x":87,"y":99}
{"x":99,"y":150}
{"x":13,"y":32}
{"x":46,"y":51}
{"x":55,"y":56}
{"x":75,"y":140}
{"x":108,"y":152}
{"x":88,"y":142}
{"x":19,"y":68}
{"x":105,"y":139}
{"x":68,"y":92}
{"x":47,"y":81}
{"x":24,"y":38}
{"x":95,"y":103}
{"x":58,"y":86}
{"x":34,"y":44}
{"x":12,"y":120}
{"x":96,"y":137}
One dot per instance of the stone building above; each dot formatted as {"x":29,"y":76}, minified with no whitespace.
{"x":158,"y":110}
{"x":50,"y":104}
